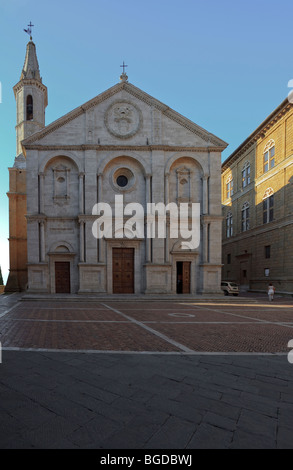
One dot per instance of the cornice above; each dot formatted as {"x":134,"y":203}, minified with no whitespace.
{"x":260,"y":132}
{"x":31,"y":82}
{"x":119,"y":147}
{"x":260,"y":229}
{"x":207,"y":218}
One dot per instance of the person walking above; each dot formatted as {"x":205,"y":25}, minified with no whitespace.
{"x":271,"y":292}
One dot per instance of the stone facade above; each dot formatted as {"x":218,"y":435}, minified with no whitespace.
{"x":259,"y":248}
{"x":76,"y":162}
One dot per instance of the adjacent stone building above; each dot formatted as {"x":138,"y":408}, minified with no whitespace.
{"x":257,"y":198}
{"x":122,"y":142}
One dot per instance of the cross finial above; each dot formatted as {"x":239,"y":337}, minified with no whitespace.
{"x":29,"y":30}
{"x":123,"y":76}
{"x":124,"y":66}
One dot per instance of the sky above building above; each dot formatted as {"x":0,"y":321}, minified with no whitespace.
{"x":223,"y":64}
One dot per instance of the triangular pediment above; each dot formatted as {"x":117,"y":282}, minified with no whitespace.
{"x":116,"y":115}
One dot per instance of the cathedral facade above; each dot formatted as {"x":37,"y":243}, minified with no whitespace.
{"x":124,"y":143}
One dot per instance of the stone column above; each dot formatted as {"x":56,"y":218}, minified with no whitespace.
{"x":205,"y":194}
{"x":167,"y":188}
{"x":101,"y":242}
{"x":167,"y":200}
{"x":167,"y":242}
{"x":148,"y":253}
{"x":81,"y":193}
{"x":41,"y":194}
{"x":100,"y":187}
{"x":81,"y":240}
{"x":42,"y":241}
{"x":205,"y":242}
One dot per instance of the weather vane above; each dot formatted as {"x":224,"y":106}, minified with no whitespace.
{"x":29,"y":30}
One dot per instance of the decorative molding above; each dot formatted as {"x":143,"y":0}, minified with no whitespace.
{"x":259,"y":230}
{"x":145,"y":148}
{"x":30,"y":82}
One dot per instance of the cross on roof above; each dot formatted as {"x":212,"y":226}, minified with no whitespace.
{"x":123,"y":66}
{"x":29,"y":29}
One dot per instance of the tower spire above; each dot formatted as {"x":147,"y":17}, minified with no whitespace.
{"x":31,"y":65}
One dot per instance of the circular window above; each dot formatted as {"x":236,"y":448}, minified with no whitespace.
{"x":122,"y":181}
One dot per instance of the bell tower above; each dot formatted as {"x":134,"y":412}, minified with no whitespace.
{"x":31,"y":100}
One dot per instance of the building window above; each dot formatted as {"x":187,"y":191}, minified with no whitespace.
{"x":268,"y":251}
{"x":267,"y":272}
{"x":229,"y":187}
{"x":268,"y":206}
{"x":229,"y":258}
{"x":29,"y":108}
{"x":245,"y":216}
{"x":246,"y":175}
{"x":269,"y":156}
{"x":229,"y":225}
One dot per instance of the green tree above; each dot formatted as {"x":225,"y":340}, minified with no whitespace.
{"x":1,"y":278}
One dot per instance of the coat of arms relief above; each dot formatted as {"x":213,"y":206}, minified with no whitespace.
{"x":123,"y":119}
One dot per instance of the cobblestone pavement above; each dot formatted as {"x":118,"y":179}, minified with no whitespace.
{"x":146,"y":375}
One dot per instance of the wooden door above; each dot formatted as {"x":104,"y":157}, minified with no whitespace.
{"x":62,"y":277}
{"x":123,"y":270}
{"x":186,"y":277}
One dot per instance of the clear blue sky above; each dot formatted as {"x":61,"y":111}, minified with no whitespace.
{"x":224,"y":64}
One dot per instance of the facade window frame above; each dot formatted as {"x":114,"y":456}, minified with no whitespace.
{"x":267,"y":251}
{"x":229,"y":187}
{"x":268,"y":206}
{"x":229,"y":225}
{"x":269,"y":156}
{"x":245,"y":217}
{"x":246,"y":179}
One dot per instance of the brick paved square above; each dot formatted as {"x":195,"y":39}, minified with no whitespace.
{"x":146,"y":375}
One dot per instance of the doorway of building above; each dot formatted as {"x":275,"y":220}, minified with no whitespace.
{"x":62,"y":277}
{"x":244,"y":280}
{"x":183,"y":277}
{"x":123,"y":270}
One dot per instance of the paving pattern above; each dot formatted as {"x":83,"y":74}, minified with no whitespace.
{"x":157,"y":326}
{"x":146,"y":375}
